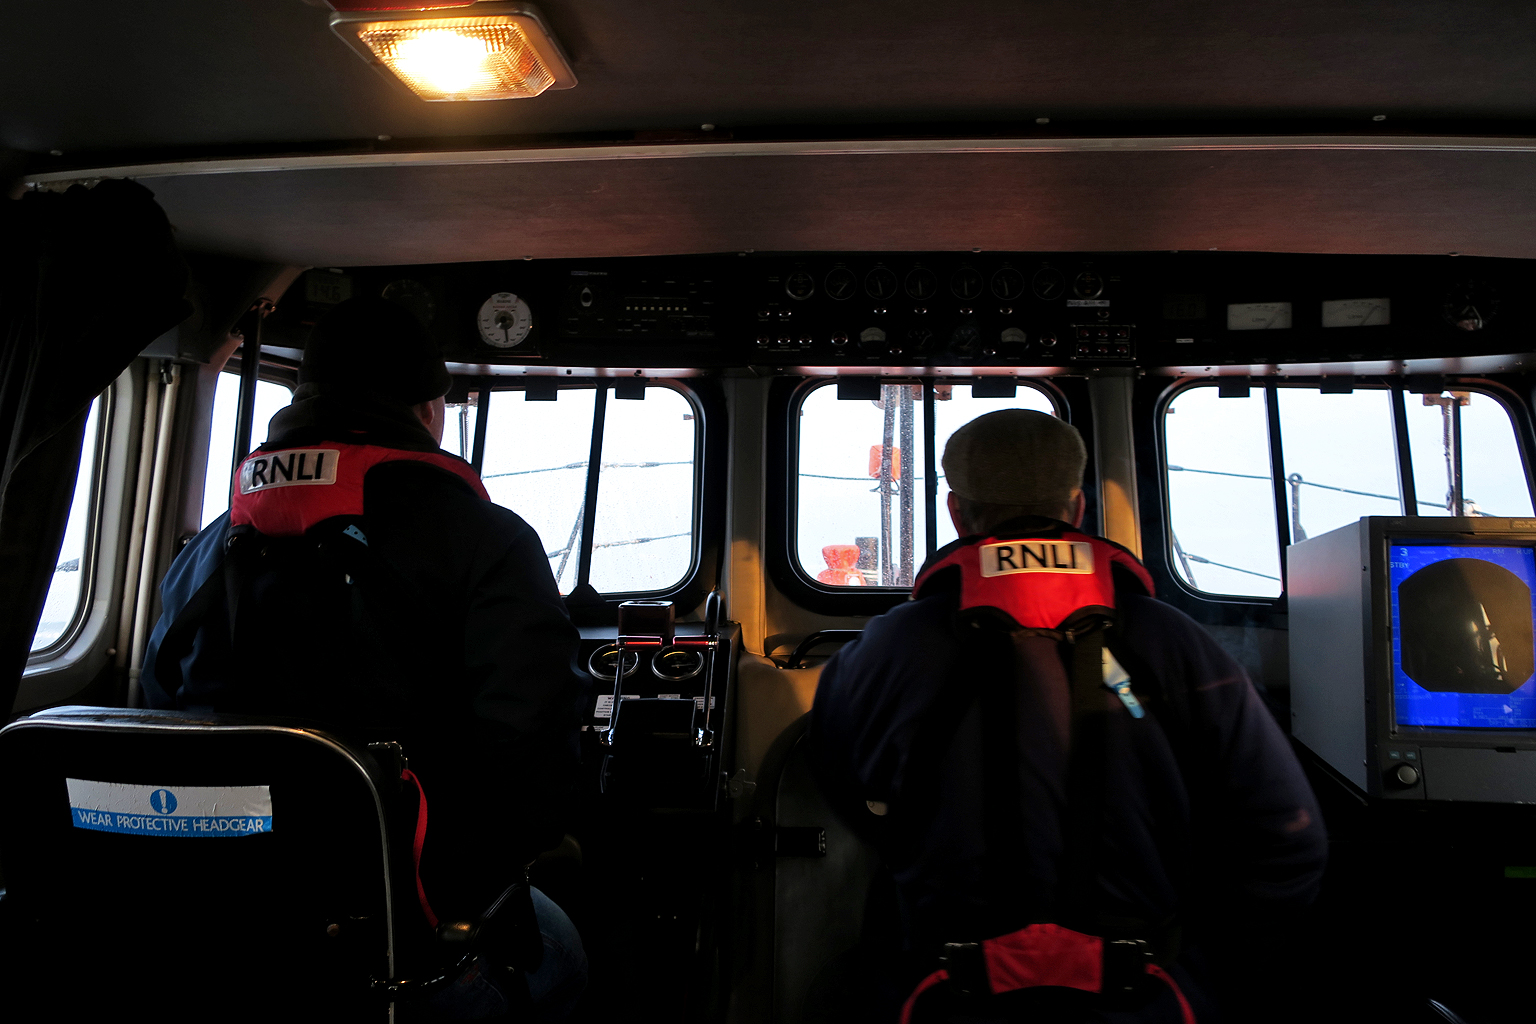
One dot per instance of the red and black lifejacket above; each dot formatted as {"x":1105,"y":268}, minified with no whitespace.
{"x":286,"y":491}
{"x":1045,"y":582}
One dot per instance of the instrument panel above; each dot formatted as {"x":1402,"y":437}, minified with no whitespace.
{"x":946,"y":309}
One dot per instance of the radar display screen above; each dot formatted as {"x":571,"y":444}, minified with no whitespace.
{"x":1462,"y":648}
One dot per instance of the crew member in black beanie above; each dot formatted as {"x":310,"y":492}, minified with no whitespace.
{"x":463,"y":651}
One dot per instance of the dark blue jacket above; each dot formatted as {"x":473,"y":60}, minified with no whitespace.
{"x":1207,"y":813}
{"x":471,"y":670}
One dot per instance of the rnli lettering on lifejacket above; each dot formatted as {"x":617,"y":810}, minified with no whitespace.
{"x":290,"y":468}
{"x":1008,"y":557}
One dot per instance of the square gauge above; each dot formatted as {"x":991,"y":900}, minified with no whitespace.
{"x":1258,"y":316}
{"x":1357,"y":312}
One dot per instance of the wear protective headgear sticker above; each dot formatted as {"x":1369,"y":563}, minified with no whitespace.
{"x":191,"y":811}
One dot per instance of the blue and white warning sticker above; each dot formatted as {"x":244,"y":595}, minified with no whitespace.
{"x":193,"y":811}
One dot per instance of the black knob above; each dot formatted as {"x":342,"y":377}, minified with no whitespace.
{"x":1405,"y":775}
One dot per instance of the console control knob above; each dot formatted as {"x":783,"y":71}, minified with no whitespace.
{"x":1405,"y":775}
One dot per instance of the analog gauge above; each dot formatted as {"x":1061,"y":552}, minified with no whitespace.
{"x":1258,"y":316}
{"x":872,"y":339}
{"x":414,"y":296}
{"x":965,"y":283}
{"x":800,"y":285}
{"x":604,"y":663}
{"x":1008,"y":284}
{"x":676,"y":664}
{"x":1470,"y":305}
{"x":919,"y":340}
{"x":922,"y":283}
{"x":1088,"y":285}
{"x":1049,"y":284}
{"x":880,"y":283}
{"x":1357,"y":312}
{"x":966,"y":337}
{"x":505,"y":320}
{"x":841,"y":284}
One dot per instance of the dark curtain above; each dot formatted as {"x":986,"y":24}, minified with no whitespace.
{"x":88,"y":278}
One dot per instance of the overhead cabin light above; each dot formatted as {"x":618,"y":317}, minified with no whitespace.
{"x":485,"y":51}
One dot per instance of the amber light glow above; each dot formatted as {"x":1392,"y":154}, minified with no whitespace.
{"x":486,"y":58}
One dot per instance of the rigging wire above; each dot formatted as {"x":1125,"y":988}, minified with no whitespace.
{"x":618,"y":543}
{"x":583,"y":465}
{"x":1304,"y":483}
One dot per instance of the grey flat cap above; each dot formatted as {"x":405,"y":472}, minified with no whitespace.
{"x":1016,"y":457}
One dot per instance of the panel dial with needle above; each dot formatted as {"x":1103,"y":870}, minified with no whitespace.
{"x":504,"y":320}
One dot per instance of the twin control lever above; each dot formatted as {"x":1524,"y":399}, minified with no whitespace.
{"x":652,"y":624}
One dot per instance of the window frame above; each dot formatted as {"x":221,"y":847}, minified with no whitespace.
{"x":782,"y":492}
{"x":707,"y":402}
{"x":1232,"y":609}
{"x":90,"y":556}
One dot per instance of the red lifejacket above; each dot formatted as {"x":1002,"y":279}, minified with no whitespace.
{"x":1040,"y":581}
{"x":1049,"y":580}
{"x":282,"y":493}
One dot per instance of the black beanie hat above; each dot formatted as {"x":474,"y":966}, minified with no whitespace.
{"x":372,"y":345}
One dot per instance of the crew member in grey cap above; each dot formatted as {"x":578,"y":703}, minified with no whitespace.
{"x":1023,"y":802}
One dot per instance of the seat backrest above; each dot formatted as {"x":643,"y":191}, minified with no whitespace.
{"x":198,"y":856}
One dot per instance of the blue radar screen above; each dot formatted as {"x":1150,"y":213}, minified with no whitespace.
{"x":1462,"y":639}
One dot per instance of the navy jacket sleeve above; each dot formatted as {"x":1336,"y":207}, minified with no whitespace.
{"x":506,"y":756}
{"x":520,"y":652}
{"x":187,"y":574}
{"x":1261,"y":834}
{"x":870,"y":702}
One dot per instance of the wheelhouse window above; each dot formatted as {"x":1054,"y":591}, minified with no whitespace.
{"x":218,"y":476}
{"x":1254,"y":469}
{"x":1471,"y":431}
{"x":870,"y":497}
{"x":1221,"y":502}
{"x":67,"y":591}
{"x":628,"y":524}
